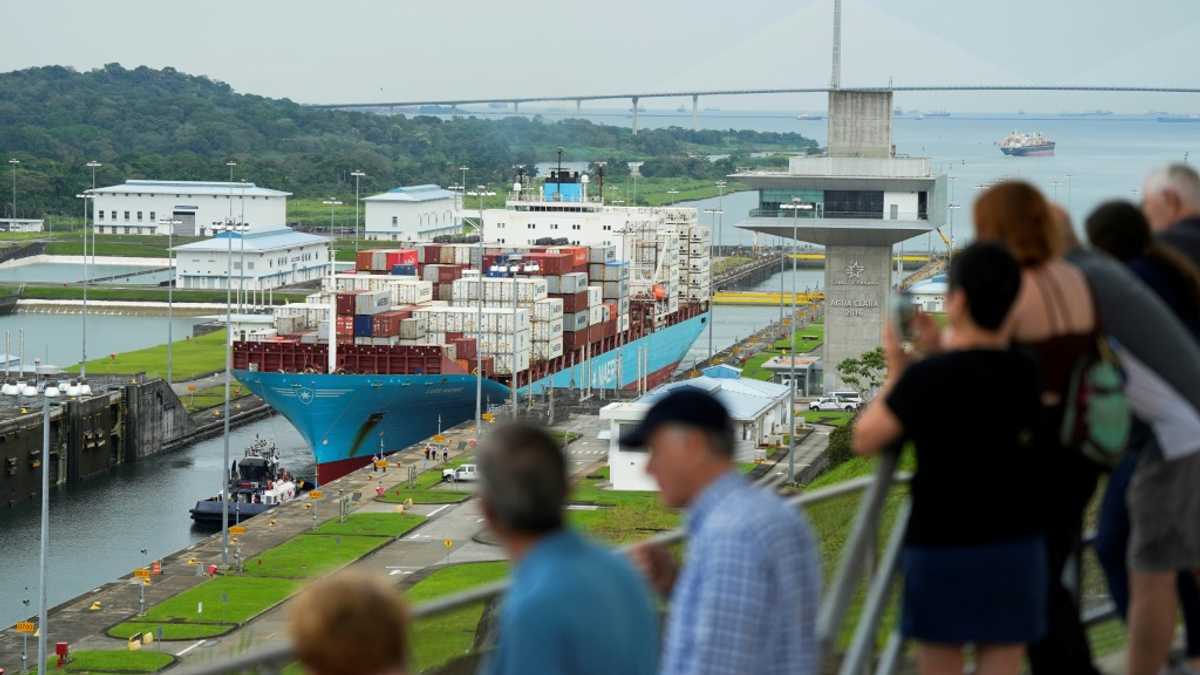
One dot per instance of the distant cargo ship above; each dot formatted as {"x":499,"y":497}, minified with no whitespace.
{"x":1179,"y":119}
{"x":937,"y":113}
{"x":810,"y":117}
{"x":1019,"y":144}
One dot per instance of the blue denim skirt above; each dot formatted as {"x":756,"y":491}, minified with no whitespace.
{"x":992,"y":593}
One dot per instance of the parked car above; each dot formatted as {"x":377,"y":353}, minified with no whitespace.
{"x":849,"y":397}
{"x":833,"y":403}
{"x":466,"y":473}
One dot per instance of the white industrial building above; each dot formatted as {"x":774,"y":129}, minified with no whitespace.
{"x":273,"y":258}
{"x":136,"y":206}
{"x":759,"y":411}
{"x":563,"y":208}
{"x":21,"y":225}
{"x":411,"y":213}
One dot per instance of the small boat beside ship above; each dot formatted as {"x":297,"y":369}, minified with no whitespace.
{"x":257,"y":483}
{"x":1021,"y":144}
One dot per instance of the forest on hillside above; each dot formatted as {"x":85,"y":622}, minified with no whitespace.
{"x":147,"y":123}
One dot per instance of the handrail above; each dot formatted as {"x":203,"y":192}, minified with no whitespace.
{"x":281,"y":654}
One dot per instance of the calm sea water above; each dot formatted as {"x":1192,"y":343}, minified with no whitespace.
{"x":57,"y":338}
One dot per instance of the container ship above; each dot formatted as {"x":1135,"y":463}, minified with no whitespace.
{"x":592,"y":296}
{"x":1026,"y":145}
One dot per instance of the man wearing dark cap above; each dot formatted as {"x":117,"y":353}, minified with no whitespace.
{"x":575,"y":608}
{"x":746,"y":597}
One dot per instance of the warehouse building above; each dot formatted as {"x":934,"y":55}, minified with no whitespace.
{"x":262,"y":260}
{"x":136,"y":206}
{"x":412,"y":213}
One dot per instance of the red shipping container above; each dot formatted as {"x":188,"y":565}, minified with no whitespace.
{"x":552,"y":264}
{"x":345,"y":303}
{"x":401,"y":256}
{"x":345,"y":324}
{"x":573,"y":302}
{"x":612,"y":310}
{"x":429,"y":253}
{"x":579,"y":254}
{"x":387,"y":324}
{"x":363,"y":261}
{"x":450,"y":337}
{"x":448,"y":273}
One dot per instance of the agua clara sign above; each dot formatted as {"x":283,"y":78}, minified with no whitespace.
{"x":842,"y":296}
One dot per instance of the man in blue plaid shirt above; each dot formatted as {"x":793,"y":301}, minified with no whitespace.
{"x":746,"y":598}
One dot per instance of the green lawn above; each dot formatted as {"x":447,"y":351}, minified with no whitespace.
{"x":208,"y":397}
{"x":170,"y":631}
{"x":372,"y":524}
{"x":832,"y":418}
{"x":113,"y":661}
{"x":422,"y":492}
{"x":446,"y":636}
{"x":806,"y":339}
{"x":147,"y":294}
{"x":226,"y":599}
{"x":624,"y":516}
{"x":311,"y":555}
{"x":719,"y":265}
{"x":193,"y":357}
{"x":124,"y":245}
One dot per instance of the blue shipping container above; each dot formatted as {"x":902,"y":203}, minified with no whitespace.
{"x":363,"y":325}
{"x":404,"y":270}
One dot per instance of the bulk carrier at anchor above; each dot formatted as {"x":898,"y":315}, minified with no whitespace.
{"x":380,"y":360}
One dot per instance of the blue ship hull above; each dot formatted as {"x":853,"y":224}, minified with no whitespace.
{"x":348,"y":418}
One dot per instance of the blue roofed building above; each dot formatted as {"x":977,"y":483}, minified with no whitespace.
{"x":412,"y":213}
{"x":261,"y":260}
{"x":759,"y":411}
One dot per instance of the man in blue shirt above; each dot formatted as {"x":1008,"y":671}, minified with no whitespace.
{"x":574,"y":607}
{"x":746,"y":598}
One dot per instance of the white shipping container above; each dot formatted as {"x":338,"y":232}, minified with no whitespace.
{"x":545,"y":330}
{"x":385,"y":341}
{"x":547,"y":309}
{"x":412,"y":329}
{"x":573,"y":282}
{"x":595,"y":295}
{"x":623,"y":322}
{"x":623,"y":305}
{"x":599,"y":314}
{"x":553,"y":284}
{"x":615,"y":272}
{"x":596,"y":272}
{"x":411,"y":292}
{"x":503,"y":362}
{"x":615,"y":290}
{"x":577,"y":321}
{"x":372,"y":302}
{"x":600,"y":254}
{"x":322,"y":331}
{"x":547,"y":349}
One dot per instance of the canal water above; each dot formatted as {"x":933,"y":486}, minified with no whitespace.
{"x":56,"y":338}
{"x":98,"y":529}
{"x":69,"y":273}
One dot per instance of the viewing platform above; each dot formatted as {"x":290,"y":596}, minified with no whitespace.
{"x":765,"y":298}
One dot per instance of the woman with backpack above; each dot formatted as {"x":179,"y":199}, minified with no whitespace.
{"x":1053,"y":319}
{"x":1120,"y":229}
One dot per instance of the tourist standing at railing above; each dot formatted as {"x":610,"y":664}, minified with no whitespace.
{"x":574,"y":607}
{"x":746,"y":598}
{"x":975,"y":570}
{"x":1120,"y":229}
{"x":350,"y":624}
{"x":1054,"y":317}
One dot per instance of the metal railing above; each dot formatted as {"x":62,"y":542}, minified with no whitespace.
{"x":837,"y":215}
{"x":859,"y":564}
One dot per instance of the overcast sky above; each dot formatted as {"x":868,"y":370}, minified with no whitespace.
{"x":362,"y":50}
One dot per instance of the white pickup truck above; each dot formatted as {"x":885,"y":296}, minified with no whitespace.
{"x":466,"y":472}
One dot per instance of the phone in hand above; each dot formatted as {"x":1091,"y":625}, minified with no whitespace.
{"x":903,"y":311}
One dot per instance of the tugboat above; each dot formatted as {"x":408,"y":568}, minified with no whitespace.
{"x":257,"y":484}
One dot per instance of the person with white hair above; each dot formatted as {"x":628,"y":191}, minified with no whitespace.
{"x":1171,"y":202}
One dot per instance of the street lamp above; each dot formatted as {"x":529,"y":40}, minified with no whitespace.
{"x":331,"y":203}
{"x":480,"y":191}
{"x":231,"y":163}
{"x":84,"y":197}
{"x":951,"y":208}
{"x":14,"y":162}
{"x":357,"y":174}
{"x":170,"y":223}
{"x":93,"y":165}
{"x":712,"y":289}
{"x":796,"y":206}
{"x":720,"y":212}
{"x":229,"y":229}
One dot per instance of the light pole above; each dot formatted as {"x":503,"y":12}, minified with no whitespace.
{"x":357,"y":175}
{"x":170,"y":223}
{"x":712,"y":291}
{"x":93,"y":165}
{"x":84,"y":197}
{"x":14,"y":163}
{"x":229,"y":228}
{"x":951,"y":208}
{"x":332,"y":203}
{"x":462,"y":200}
{"x":231,"y":163}
{"x":796,"y":206}
{"x":480,"y":191}
{"x":720,"y":212}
